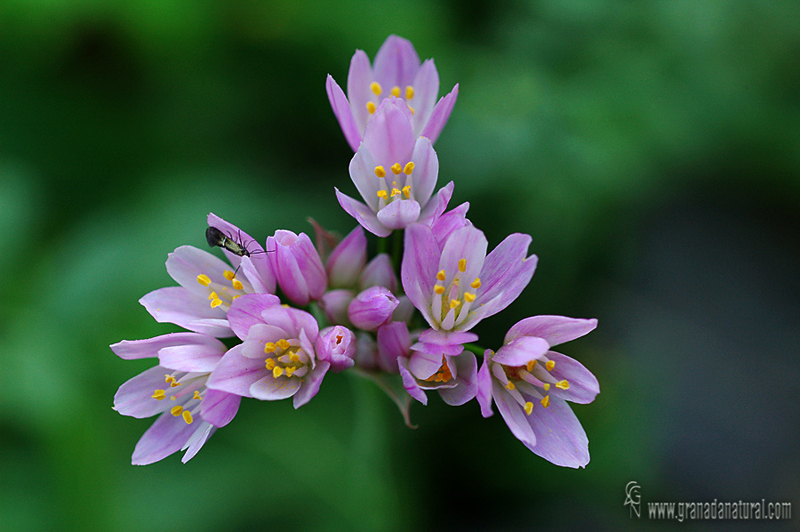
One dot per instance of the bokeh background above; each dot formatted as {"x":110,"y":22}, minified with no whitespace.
{"x":650,"y":148}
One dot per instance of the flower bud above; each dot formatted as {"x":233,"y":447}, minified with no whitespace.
{"x":379,"y":272}
{"x":297,"y":266}
{"x":347,"y":260}
{"x":372,"y":308}
{"x":337,"y":345}
{"x":334,"y":303}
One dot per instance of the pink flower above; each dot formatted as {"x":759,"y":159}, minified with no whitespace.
{"x":175,"y":389}
{"x":395,"y":173}
{"x":396,"y":73}
{"x":277,"y":358}
{"x":531,"y":384}
{"x":298,"y":266}
{"x":456,"y":286}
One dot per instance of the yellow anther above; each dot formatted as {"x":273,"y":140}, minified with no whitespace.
{"x":216,"y":303}
{"x":294,"y":357}
{"x":528,"y":408}
{"x":382,"y":194}
{"x":376,"y":88}
{"x":212,"y":296}
{"x":197,"y":396}
{"x":396,"y":91}
{"x":283,"y":344}
{"x":454,"y":303}
{"x":439,"y":289}
{"x":159,"y":395}
{"x":396,"y":168}
{"x":409,"y":92}
{"x":204,"y":279}
{"x":546,"y":401}
{"x":290,"y":370}
{"x":234,"y":297}
{"x":510,"y":386}
{"x":229,"y":274}
{"x":546,"y":386}
{"x":462,"y":265}
{"x":441,"y":275}
{"x":187,"y":417}
{"x":476,"y":283}
{"x":269,"y":347}
{"x":407,"y":191}
{"x":380,"y":171}
{"x":395,"y":192}
{"x":562,"y":385}
{"x":169,"y":378}
{"x":408,"y":168}
{"x":370,"y":107}
{"x":469,"y":297}
{"x":530,"y":365}
{"x":411,"y":109}
{"x":550,"y":365}
{"x":270,"y":363}
{"x":237,"y":284}
{"x":173,"y":397}
{"x":277,"y":371}
{"x":176,"y":410}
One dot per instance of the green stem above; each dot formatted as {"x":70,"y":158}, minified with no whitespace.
{"x":397,"y":249}
{"x":383,"y":245}
{"x":474,"y":348}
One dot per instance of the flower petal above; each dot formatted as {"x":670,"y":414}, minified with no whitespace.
{"x":513,"y":414}
{"x":135,"y":397}
{"x":219,"y":408}
{"x":418,"y":271}
{"x":178,"y":305}
{"x":200,"y":357}
{"x":435,"y":207}
{"x":246,"y":311}
{"x":560,"y":438}
{"x":164,"y":437}
{"x":187,"y":262}
{"x":394,"y":342}
{"x":149,"y":348}
{"x":410,"y":383}
{"x":484,"y":383}
{"x":466,"y":243}
{"x":440,"y":115}
{"x":197,"y":440}
{"x":271,"y":389}
{"x":362,"y":174}
{"x":521,"y":350}
{"x":363,"y":215}
{"x":426,"y":170}
{"x":359,"y":78}
{"x":389,"y":135}
{"x":426,"y":90}
{"x":399,"y":214}
{"x":583,"y":385}
{"x":343,"y":113}
{"x":347,"y":260}
{"x":396,"y":63}
{"x":553,"y":329}
{"x":236,"y":373}
{"x":312,"y":383}
{"x":466,"y":366}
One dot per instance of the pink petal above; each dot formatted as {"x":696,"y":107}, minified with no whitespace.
{"x":396,"y":63}
{"x":219,"y":408}
{"x":410,"y":383}
{"x":435,"y":207}
{"x":359,"y":79}
{"x":583,"y":385}
{"x":149,"y":348}
{"x":418,"y":271}
{"x":362,"y":173}
{"x":560,"y":438}
{"x":466,"y":367}
{"x":347,"y":260}
{"x":426,"y":170}
{"x":236,"y":373}
{"x":313,"y":380}
{"x":166,"y":436}
{"x":134,"y":397}
{"x":178,"y":305}
{"x":389,"y":135}
{"x":440,"y":115}
{"x":246,"y":311}
{"x":484,"y":383}
{"x":466,"y":243}
{"x":513,"y":414}
{"x":520,"y":351}
{"x":271,"y":389}
{"x":399,"y":214}
{"x":363,"y":215}
{"x":341,"y":108}
{"x":426,"y":90}
{"x":553,"y":329}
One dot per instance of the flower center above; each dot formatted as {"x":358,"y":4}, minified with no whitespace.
{"x":400,"y":186}
{"x":531,"y":381}
{"x":375,"y":88}
{"x":443,"y":374}
{"x":220,"y":294}
{"x":187,"y":398}
{"x":286,"y":359}
{"x":452,"y":300}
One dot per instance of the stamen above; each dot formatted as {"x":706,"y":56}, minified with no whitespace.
{"x":546,"y":401}
{"x":176,"y":410}
{"x":411,"y":109}
{"x":396,"y":168}
{"x":550,"y":365}
{"x":229,"y":274}
{"x":283,"y":344}
{"x":407,"y":191}
{"x":510,"y":386}
{"x":237,"y":284}
{"x":462,"y":265}
{"x":216,"y":303}
{"x":376,"y":88}
{"x":439,"y":289}
{"x":409,"y":92}
{"x":395,"y":192}
{"x":469,"y":297}
{"x":408,"y":168}
{"x":204,"y":279}
{"x":562,"y":385}
{"x":159,"y":395}
{"x":528,"y":408}
{"x":290,"y":370}
{"x":197,"y":396}
{"x":454,"y":303}
{"x":382,"y":194}
{"x":270,"y":363}
{"x":546,"y":386}
{"x":277,"y":371}
{"x":476,"y":283}
{"x":294,"y":357}
{"x":187,"y":417}
{"x":530,"y":365}
{"x":370,"y":107}
{"x":440,"y":275}
{"x":396,"y":91}
{"x":269,"y":347}
{"x":380,"y":171}
{"x":212,"y":296}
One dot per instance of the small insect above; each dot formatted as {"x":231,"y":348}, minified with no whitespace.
{"x":217,"y":238}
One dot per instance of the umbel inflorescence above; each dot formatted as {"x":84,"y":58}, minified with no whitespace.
{"x":295,"y":311}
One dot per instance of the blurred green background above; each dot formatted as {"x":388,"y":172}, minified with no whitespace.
{"x":651,"y":149}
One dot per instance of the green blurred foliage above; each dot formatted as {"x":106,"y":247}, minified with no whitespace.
{"x":122,"y":124}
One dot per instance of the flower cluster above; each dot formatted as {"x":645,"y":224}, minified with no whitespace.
{"x":295,"y":309}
